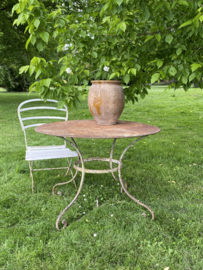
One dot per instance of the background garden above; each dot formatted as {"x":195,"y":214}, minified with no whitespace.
{"x":165,"y":171}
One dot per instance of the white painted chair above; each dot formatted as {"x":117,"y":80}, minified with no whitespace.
{"x":34,"y":153}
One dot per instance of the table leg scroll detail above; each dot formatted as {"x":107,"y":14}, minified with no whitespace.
{"x":64,"y":222}
{"x":122,"y":181}
{"x":64,"y":183}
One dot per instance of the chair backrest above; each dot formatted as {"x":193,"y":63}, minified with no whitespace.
{"x":41,"y":105}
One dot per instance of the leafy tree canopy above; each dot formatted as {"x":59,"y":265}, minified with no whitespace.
{"x":12,"y":38}
{"x":13,"y":53}
{"x":12,"y":49}
{"x":141,"y":41}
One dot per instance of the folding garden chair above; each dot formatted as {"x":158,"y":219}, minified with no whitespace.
{"x":34,"y":153}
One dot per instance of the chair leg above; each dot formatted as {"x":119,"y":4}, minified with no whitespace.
{"x":31,"y":175}
{"x":73,"y":179}
{"x":69,"y":169}
{"x":69,"y":166}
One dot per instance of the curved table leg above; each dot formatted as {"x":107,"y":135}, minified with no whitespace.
{"x":64,"y":222}
{"x":64,"y":183}
{"x":69,"y":169}
{"x":111,"y":157}
{"x":122,"y":181}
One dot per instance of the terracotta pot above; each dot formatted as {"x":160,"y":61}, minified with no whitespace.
{"x":106,"y":101}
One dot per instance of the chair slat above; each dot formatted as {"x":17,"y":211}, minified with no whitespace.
{"x":34,"y":148}
{"x":33,"y":125}
{"x":43,"y":117}
{"x":41,"y":107}
{"x":36,"y":99}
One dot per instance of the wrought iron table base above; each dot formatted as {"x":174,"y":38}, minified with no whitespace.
{"x":111,"y":170}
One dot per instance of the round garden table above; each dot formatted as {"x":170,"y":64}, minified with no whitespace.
{"x":90,"y":129}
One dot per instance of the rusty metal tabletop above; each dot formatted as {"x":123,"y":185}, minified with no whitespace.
{"x":90,"y":129}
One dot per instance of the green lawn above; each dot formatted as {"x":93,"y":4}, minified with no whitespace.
{"x":165,"y":171}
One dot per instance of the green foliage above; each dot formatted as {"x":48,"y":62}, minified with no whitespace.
{"x":136,"y":39}
{"x":12,"y":50}
{"x":13,"y":53}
